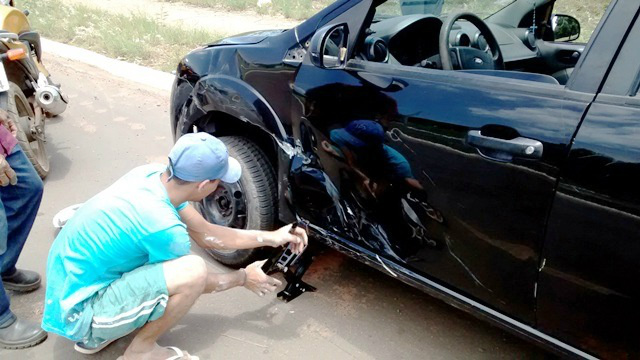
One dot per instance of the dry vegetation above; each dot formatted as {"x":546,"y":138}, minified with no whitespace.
{"x":292,"y":9}
{"x":137,"y":38}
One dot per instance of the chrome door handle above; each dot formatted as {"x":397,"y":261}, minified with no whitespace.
{"x":520,"y":146}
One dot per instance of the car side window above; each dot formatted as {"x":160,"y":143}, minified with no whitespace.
{"x":587,"y":12}
{"x":409,"y":33}
{"x":482,"y":8}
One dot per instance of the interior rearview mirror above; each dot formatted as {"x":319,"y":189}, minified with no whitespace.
{"x":565,"y":27}
{"x":329,"y":46}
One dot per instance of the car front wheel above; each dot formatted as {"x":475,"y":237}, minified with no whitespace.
{"x":249,"y":203}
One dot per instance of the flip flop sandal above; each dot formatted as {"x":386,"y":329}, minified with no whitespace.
{"x":178,"y":356}
{"x":88,"y":351}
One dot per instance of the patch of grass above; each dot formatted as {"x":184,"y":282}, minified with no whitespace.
{"x":292,"y":9}
{"x":137,"y":38}
{"x":236,"y":4}
{"x":295,"y":9}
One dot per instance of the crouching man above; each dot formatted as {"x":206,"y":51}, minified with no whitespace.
{"x":122,"y":262}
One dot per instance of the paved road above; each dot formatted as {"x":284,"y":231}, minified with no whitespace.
{"x":112,"y":126}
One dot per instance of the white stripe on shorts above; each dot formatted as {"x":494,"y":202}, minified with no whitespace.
{"x":162,"y":298}
{"x":144,"y":312}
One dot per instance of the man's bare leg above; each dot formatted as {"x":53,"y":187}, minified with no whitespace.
{"x":186,"y":278}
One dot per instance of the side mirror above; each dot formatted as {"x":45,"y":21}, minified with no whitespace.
{"x":328,"y":46}
{"x":565,"y":27}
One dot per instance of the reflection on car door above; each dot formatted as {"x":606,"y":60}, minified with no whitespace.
{"x":395,"y":146}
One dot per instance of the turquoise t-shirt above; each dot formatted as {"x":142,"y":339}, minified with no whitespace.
{"x":128,"y":225}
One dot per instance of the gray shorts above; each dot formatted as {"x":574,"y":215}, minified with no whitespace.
{"x":127,"y":304}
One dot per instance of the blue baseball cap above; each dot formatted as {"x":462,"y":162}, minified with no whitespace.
{"x":359,"y":134}
{"x":200,"y":156}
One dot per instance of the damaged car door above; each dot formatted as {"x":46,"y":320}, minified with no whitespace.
{"x":448,"y":174}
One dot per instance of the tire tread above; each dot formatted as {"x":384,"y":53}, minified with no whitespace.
{"x":263,"y":186}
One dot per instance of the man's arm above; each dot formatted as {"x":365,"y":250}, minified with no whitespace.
{"x":212,"y":236}
{"x":217,"y":282}
{"x":252,"y":278}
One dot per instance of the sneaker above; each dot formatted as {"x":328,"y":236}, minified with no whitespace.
{"x":88,"y":350}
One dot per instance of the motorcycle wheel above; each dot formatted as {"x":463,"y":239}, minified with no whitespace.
{"x":30,"y":130}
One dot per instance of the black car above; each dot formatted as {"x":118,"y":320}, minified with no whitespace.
{"x":473,"y":149}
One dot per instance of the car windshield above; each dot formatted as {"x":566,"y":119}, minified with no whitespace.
{"x":482,"y":8}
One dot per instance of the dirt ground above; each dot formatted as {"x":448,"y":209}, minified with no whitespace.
{"x":113,"y":125}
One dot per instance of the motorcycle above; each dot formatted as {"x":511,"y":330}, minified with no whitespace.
{"x":32,"y":95}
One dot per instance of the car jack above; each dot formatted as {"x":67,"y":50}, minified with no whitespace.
{"x":295,"y":286}
{"x":293,"y":266}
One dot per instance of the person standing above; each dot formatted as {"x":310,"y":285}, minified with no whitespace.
{"x":20,"y":195}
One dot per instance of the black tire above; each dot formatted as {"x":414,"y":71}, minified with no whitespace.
{"x":253,"y":201}
{"x":31,"y":142}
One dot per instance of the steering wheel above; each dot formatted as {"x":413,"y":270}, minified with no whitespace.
{"x":468,"y":57}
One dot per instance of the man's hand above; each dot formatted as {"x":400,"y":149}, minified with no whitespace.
{"x":284,"y":235}
{"x":13,"y":128}
{"x":7,"y":121}
{"x":259,"y":282}
{"x":7,"y":175}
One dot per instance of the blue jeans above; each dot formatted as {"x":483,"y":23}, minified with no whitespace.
{"x":18,"y":208}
